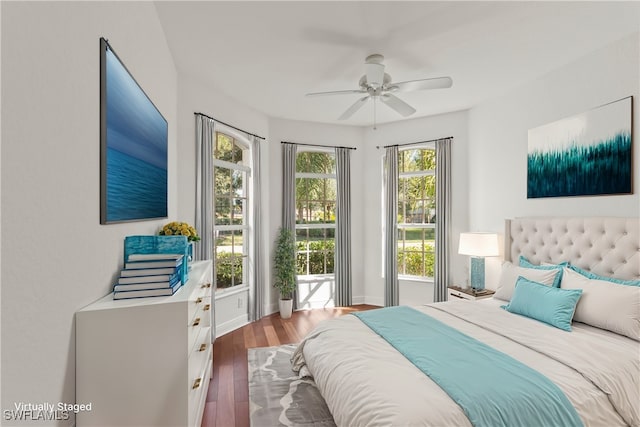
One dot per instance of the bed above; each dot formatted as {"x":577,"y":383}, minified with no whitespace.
{"x":366,"y":381}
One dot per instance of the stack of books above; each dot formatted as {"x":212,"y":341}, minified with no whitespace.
{"x":149,"y":275}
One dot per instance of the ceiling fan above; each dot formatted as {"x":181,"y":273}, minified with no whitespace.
{"x":377,"y":85}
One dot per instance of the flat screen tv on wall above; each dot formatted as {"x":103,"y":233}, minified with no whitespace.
{"x":133,"y":146}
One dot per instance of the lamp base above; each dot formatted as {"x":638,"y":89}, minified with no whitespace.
{"x":477,"y":273}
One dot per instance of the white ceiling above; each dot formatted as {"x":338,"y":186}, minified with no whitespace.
{"x":267,"y":55}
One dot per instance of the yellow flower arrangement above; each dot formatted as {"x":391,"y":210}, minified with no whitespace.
{"x":176,"y":228}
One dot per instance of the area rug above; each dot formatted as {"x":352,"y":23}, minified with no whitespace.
{"x":277,"y":396}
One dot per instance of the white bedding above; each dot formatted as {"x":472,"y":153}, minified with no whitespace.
{"x":366,"y":382}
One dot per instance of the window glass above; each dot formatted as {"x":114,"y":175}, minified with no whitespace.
{"x":231,"y":200}
{"x":315,"y":212}
{"x":416,"y":212}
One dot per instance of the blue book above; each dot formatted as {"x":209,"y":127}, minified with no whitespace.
{"x":126,"y":272}
{"x":168,"y":278}
{"x":153,"y":257}
{"x":148,"y":292}
{"x":148,"y":285}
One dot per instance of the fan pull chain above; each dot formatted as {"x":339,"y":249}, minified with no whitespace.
{"x":375,"y":98}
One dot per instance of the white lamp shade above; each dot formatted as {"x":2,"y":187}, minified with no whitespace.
{"x":479,"y":244}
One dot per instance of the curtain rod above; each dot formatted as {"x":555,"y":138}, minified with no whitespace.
{"x":414,"y":143}
{"x":317,"y":145}
{"x":233,"y":127}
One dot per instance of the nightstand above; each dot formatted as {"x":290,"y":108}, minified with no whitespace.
{"x":456,"y":292}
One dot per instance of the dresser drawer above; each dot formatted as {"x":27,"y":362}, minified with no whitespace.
{"x":202,"y":341}
{"x":199,"y":294}
{"x":199,"y":354}
{"x":201,"y":319}
{"x":198,"y":395}
{"x":199,"y":375}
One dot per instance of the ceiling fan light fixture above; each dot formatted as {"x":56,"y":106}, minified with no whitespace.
{"x":376,"y":84}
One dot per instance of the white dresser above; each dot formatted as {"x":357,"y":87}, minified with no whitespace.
{"x":147,"y":361}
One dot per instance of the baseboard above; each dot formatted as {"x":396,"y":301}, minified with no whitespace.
{"x":274,"y":308}
{"x":231,"y":325}
{"x":357,"y":300}
{"x":271,"y":308}
{"x":374,"y":301}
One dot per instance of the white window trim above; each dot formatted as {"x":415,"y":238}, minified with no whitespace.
{"x":331,"y":225}
{"x":418,"y":174}
{"x":316,"y":175}
{"x":233,"y":166}
{"x":247,"y":271}
{"x":418,"y":225}
{"x":226,"y":292}
{"x":315,"y":226}
{"x":237,"y":227}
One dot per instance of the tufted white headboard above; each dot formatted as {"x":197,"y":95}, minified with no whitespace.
{"x":606,"y":246}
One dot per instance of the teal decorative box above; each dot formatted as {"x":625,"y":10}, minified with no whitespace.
{"x":159,"y":245}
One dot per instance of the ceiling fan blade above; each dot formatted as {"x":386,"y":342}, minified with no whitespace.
{"x":397,"y":104}
{"x":336,"y":92}
{"x":422,"y":84}
{"x":355,"y":107}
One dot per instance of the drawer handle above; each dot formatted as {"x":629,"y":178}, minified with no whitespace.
{"x":199,"y":300}
{"x":207,"y":307}
{"x":208,"y":285}
{"x":196,"y":322}
{"x":203,"y":347}
{"x":196,"y":384}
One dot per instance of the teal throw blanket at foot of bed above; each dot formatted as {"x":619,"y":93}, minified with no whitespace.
{"x":491,"y":387}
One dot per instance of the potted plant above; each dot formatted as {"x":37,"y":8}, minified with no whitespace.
{"x":285,"y":270}
{"x":177,"y":228}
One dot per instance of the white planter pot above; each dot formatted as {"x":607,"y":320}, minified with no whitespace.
{"x":286,"y":306}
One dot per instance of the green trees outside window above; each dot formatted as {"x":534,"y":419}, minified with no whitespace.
{"x":416,"y":212}
{"x":315,"y":212}
{"x":231,"y":202}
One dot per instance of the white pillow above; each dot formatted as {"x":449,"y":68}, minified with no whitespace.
{"x":510,"y":274}
{"x":605,"y":304}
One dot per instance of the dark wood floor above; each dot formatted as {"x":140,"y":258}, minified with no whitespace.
{"x":228,"y":396}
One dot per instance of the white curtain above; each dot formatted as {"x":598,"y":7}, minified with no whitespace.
{"x":443,"y":219}
{"x":256,"y":292}
{"x":391,"y":291}
{"x":343,"y":296}
{"x":289,"y":152}
{"x":205,"y":131}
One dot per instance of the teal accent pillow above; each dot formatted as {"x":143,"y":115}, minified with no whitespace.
{"x":550,"y":305}
{"x":556,"y":282}
{"x":590,"y":275}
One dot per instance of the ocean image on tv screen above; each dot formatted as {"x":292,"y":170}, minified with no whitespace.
{"x":136,"y":149}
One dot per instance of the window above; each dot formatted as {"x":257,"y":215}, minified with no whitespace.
{"x":416,"y":212}
{"x":231,"y":204}
{"x":315,"y":212}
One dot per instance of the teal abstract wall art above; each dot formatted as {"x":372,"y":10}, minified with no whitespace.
{"x":582,"y":155}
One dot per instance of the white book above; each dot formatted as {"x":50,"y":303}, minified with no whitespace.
{"x":153,"y":257}
{"x":147,"y":271}
{"x":146,"y":279}
{"x":156,"y":263}
{"x":144,"y":286}
{"x":147,"y":293}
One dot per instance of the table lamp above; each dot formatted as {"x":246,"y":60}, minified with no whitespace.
{"x":478,"y":245}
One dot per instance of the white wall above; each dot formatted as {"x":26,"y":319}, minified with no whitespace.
{"x":325,"y":134}
{"x":498,"y":140}
{"x":0,"y":207}
{"x":498,"y":137}
{"x":197,"y":97}
{"x":56,"y":257}
{"x":407,"y":131}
